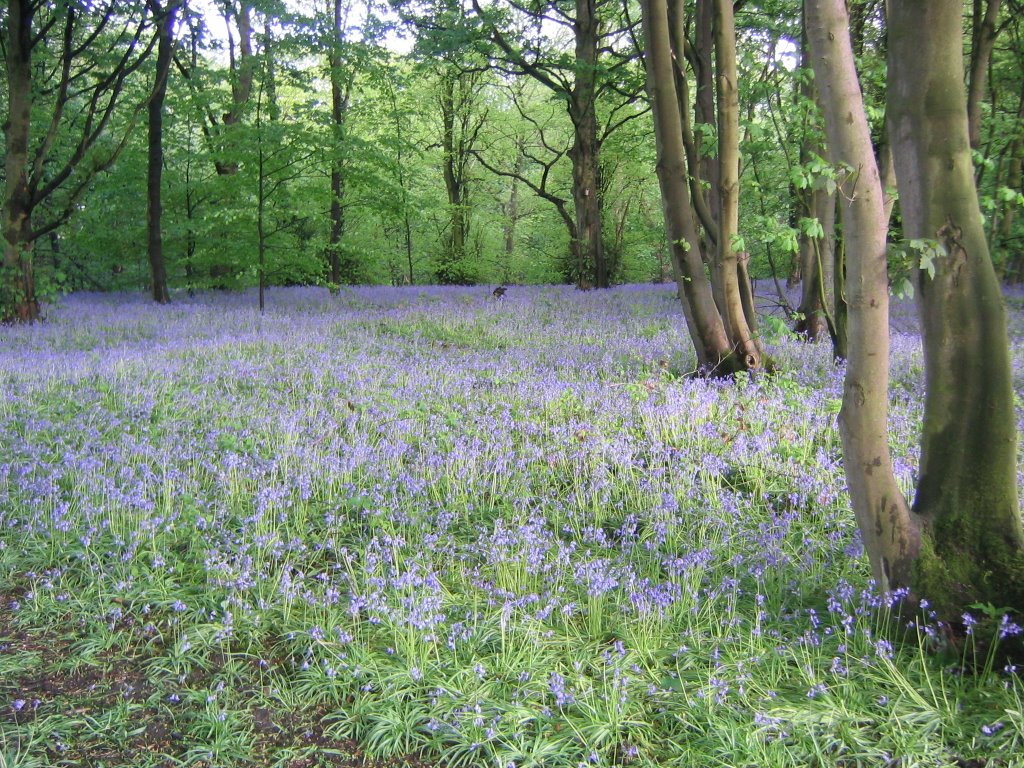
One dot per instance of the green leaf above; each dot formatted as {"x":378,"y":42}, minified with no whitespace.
{"x":786,"y":240}
{"x":811,"y":227}
{"x":799,"y":178}
{"x":903,"y":288}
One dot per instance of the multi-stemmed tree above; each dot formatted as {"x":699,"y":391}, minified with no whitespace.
{"x":960,"y":543}
{"x":719,"y":310}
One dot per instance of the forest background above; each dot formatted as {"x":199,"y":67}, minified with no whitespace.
{"x":413,"y":143}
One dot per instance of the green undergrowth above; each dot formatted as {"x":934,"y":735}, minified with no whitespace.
{"x":456,"y":532}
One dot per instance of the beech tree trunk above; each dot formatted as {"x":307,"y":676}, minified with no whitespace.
{"x":983,"y":39}
{"x":704,"y":206}
{"x":165,"y":20}
{"x":719,"y":324}
{"x":579,"y":85}
{"x":461,"y":121}
{"x":511,"y":212}
{"x":340,"y":91}
{"x":840,"y":308}
{"x":586,"y":149}
{"x":817,"y":262}
{"x":891,"y":538}
{"x":704,"y":73}
{"x":702,"y":318}
{"x":453,"y":184}
{"x":972,"y":543}
{"x":730,"y":269}
{"x":961,"y":544}
{"x":242,"y":69}
{"x":817,"y":252}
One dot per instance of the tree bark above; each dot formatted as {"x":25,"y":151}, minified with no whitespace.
{"x":511,"y":211}
{"x":86,"y":79}
{"x":840,"y":308}
{"x":585,"y":151}
{"x":705,"y":209}
{"x":817,"y":262}
{"x":738,"y":326}
{"x":460,"y":125}
{"x":261,"y":207}
{"x":816,"y":255}
{"x":579,"y":85}
{"x":456,"y":247}
{"x":966,"y":498}
{"x":17,"y":286}
{"x":242,"y":69}
{"x":702,"y":318}
{"x":241,"y":86}
{"x":983,"y":38}
{"x":341,"y":87}
{"x":704,"y":20}
{"x":891,"y":539}
{"x":165,"y":20}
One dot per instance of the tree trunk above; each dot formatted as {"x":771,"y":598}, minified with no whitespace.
{"x":983,"y":38}
{"x":966,"y":498}
{"x":816,"y":256}
{"x":241,"y":87}
{"x":403,"y":187}
{"x":705,"y":114}
{"x":165,"y":19}
{"x":340,"y":91}
{"x":261,"y":231}
{"x":714,"y":353}
{"x":242,"y":69}
{"x":706,"y":210}
{"x":453,"y":104}
{"x":817,"y":262}
{"x":1014,"y":166}
{"x":585,"y":151}
{"x":729,"y":269}
{"x":452,"y":182}
{"x":511,"y":212}
{"x":891,"y":538}
{"x":840,"y":309}
{"x":76,"y":84}
{"x":17,"y":285}
{"x":705,"y":77}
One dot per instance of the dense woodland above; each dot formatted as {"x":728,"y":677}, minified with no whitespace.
{"x":843,"y":145}
{"x":178,"y":146}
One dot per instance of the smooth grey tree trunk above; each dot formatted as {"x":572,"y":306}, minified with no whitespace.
{"x":891,"y":538}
